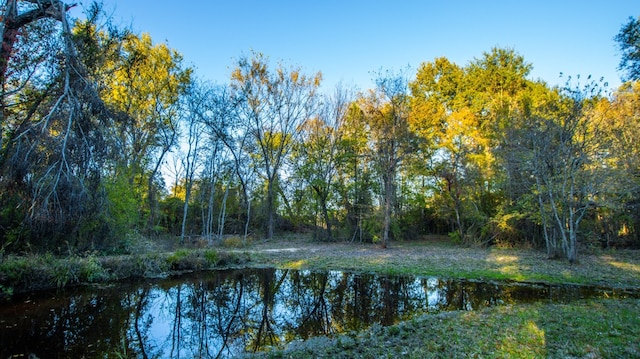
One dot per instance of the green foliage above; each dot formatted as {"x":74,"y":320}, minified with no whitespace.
{"x":176,"y":257}
{"x":123,"y":208}
{"x":211,"y":256}
{"x":91,"y":270}
{"x":455,"y":237}
{"x":475,"y":150}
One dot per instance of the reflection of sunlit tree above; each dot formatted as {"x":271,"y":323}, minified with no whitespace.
{"x":311,"y":313}
{"x":142,"y":319}
{"x":265,"y":333}
{"x":176,"y":329}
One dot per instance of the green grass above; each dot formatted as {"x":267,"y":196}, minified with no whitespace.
{"x":583,"y":329}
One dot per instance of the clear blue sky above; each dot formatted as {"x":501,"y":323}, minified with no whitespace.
{"x":348,"y":40}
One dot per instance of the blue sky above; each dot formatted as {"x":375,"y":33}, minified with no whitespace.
{"x":350,"y":40}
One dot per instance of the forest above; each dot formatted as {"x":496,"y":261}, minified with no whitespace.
{"x":107,"y":136}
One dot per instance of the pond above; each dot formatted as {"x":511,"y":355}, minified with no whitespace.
{"x":227,"y":313}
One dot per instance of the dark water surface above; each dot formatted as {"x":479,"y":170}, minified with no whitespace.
{"x":226,"y":313}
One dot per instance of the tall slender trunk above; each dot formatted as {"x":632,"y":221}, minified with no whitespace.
{"x":187,"y":197}
{"x":246,"y":223}
{"x":223,"y":213}
{"x":209,"y":217}
{"x":270,"y":209}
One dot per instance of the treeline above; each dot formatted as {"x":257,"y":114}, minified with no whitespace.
{"x":106,"y":136}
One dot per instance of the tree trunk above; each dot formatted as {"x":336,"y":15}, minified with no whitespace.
{"x":223,"y":213}
{"x":184,"y":212}
{"x":327,"y":220}
{"x":270,"y":210}
{"x":389,"y":193}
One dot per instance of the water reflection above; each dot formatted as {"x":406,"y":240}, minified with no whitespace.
{"x":222,"y":314}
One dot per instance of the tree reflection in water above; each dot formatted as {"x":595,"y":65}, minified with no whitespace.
{"x":222,"y":314}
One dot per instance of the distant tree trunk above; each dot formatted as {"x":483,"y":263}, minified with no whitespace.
{"x":322,"y":195}
{"x":388,"y":207}
{"x":223,"y":213}
{"x":208,"y":228}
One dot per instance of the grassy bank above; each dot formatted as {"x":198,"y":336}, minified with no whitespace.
{"x":20,"y":274}
{"x":583,"y":329}
{"x":437,"y":257}
{"x":431,"y":257}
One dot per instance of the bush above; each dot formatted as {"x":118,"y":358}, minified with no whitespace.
{"x":232,"y":242}
{"x":211,"y":256}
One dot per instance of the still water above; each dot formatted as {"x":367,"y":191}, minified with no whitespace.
{"x":226,"y":313}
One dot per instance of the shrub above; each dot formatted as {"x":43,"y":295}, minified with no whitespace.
{"x":233,"y":242}
{"x":211,"y":256}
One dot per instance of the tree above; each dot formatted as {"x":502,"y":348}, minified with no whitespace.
{"x":355,"y":178}
{"x":317,"y":152}
{"x":271,"y":106}
{"x":568,"y":162}
{"x":387,"y":111}
{"x":227,"y":127}
{"x":628,"y":39}
{"x":462,"y":114}
{"x":195,"y":111}
{"x":53,"y":129}
{"x":442,"y":116}
{"x":14,"y":20}
{"x":620,"y":220}
{"x":144,"y":85}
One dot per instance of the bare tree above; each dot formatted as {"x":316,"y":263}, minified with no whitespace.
{"x":271,"y":107}
{"x":195,"y":104}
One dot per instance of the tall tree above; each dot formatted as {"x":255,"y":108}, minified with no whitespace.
{"x":620,"y":219}
{"x":194,"y":122}
{"x":387,"y":110}
{"x":441,"y":115}
{"x":355,"y":176}
{"x":52,"y":129}
{"x":144,"y":86}
{"x":568,"y":152}
{"x":225,"y":126}
{"x":272,"y":105}
{"x":463,"y":113}
{"x":317,"y":152}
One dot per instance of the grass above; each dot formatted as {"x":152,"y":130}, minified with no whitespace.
{"x":583,"y":329}
{"x":437,"y":258}
{"x":39,"y":272}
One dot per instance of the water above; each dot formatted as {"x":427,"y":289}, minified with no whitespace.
{"x":226,"y":313}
